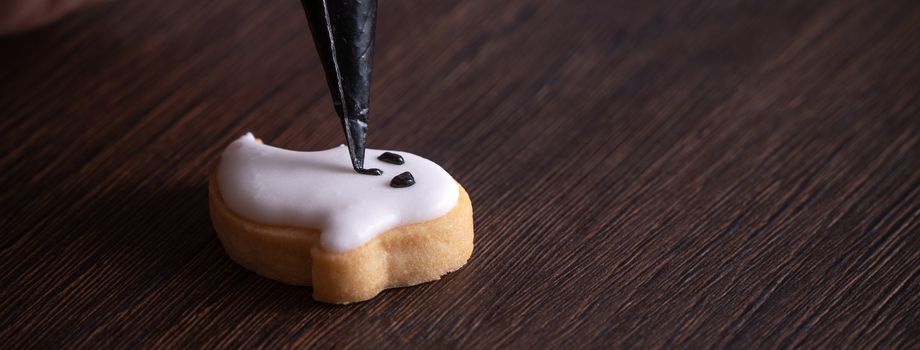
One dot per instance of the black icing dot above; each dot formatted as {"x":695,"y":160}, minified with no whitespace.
{"x":371,"y":171}
{"x":403,"y":180}
{"x":391,"y":158}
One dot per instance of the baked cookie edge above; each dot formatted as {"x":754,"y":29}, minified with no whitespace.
{"x":403,"y":256}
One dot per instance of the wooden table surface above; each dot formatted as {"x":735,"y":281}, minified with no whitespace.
{"x":644,"y":173}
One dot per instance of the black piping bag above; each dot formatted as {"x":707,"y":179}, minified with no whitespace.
{"x":343,"y":31}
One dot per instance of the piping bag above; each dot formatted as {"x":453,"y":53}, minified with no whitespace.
{"x":343,"y":32}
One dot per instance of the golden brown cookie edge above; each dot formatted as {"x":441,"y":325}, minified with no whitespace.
{"x":404,"y":256}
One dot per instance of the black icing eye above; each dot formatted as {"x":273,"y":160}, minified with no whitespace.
{"x":403,"y":180}
{"x":391,"y":158}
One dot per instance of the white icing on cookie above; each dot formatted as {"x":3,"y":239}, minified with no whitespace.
{"x":319,"y":190}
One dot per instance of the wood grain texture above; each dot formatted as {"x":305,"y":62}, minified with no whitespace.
{"x":717,"y":173}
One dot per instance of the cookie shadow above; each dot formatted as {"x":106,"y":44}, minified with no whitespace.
{"x":161,"y":241}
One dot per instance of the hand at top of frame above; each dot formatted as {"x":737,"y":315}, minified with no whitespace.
{"x":22,"y":15}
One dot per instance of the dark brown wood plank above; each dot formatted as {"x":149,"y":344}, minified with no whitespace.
{"x":644,"y":174}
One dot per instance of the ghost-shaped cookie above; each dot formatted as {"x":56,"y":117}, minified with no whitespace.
{"x":306,"y":218}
